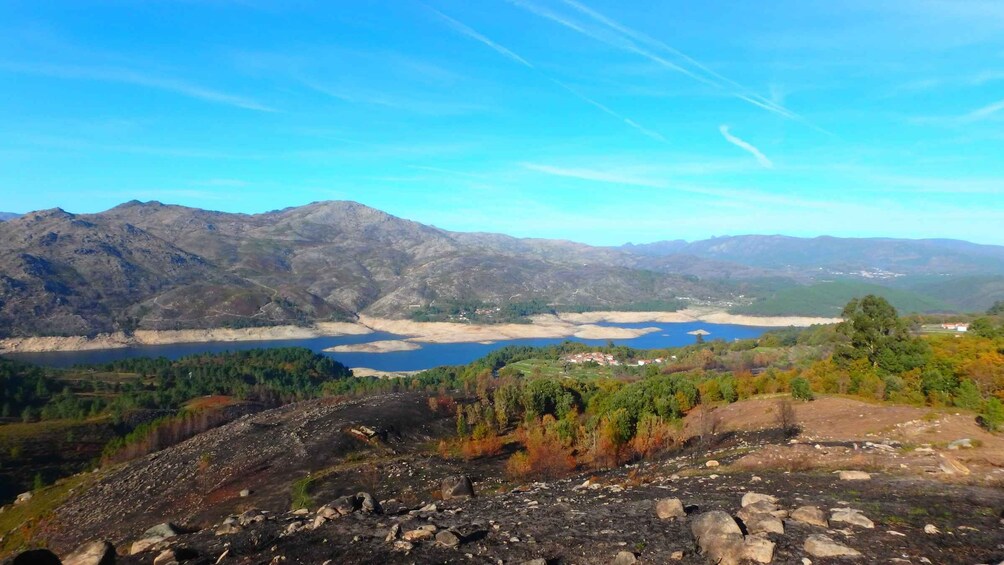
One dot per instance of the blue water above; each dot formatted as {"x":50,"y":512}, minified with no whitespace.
{"x":430,"y":355}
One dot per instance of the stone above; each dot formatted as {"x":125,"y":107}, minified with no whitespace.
{"x":142,"y":545}
{"x":753,"y":497}
{"x":250,"y":517}
{"x":318,"y":522}
{"x":952,"y":466}
{"x":711,"y":464}
{"x":676,"y":555}
{"x":346,"y":505}
{"x":670,"y":509}
{"x":964,"y":443}
{"x":537,"y":561}
{"x":227,"y":529}
{"x":23,"y":497}
{"x":624,"y":558}
{"x":457,"y":487}
{"x":300,"y":512}
{"x":327,"y":512}
{"x":764,"y":524}
{"x":175,"y":555}
{"x":931,"y":529}
{"x":758,"y":549}
{"x":718,"y":536}
{"x":162,"y":531}
{"x":811,"y":515}
{"x":93,"y":553}
{"x":854,"y":476}
{"x":762,"y":507}
{"x":36,"y":557}
{"x":446,"y":538}
{"x":395,"y":531}
{"x":819,"y":545}
{"x":294,"y":527}
{"x":368,"y":504}
{"x":401,"y":545}
{"x":417,"y":535}
{"x":245,"y":493}
{"x":851,"y":516}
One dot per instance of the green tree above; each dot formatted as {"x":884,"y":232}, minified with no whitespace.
{"x":873,"y":330}
{"x":984,"y":327}
{"x":801,"y":389}
{"x":968,"y":395}
{"x":997,"y":309}
{"x":993,"y":414}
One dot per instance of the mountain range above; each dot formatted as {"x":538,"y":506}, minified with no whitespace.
{"x":4,"y":216}
{"x":156,"y":266}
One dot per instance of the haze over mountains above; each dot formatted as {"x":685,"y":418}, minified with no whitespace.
{"x":155,"y":266}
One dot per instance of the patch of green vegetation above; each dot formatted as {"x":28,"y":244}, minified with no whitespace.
{"x":828,"y":299}
{"x":299,"y":493}
{"x":21,"y":524}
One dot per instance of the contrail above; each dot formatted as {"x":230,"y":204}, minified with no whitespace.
{"x":746,"y":146}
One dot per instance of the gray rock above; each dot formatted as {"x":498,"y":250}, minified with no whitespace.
{"x":346,"y":505}
{"x":757,"y":549}
{"x":764,"y":524}
{"x":854,"y":476}
{"x":718,"y":536}
{"x":250,"y":517}
{"x":964,"y":443}
{"x":851,"y":516}
{"x":810,"y":515}
{"x":670,"y":509}
{"x":624,"y":558}
{"x":368,"y":504}
{"x":819,"y":545}
{"x":763,"y":507}
{"x":401,"y":545}
{"x":162,"y":531}
{"x":457,"y":487}
{"x":228,"y":529}
{"x":447,"y":538}
{"x":752,"y":497}
{"x":93,"y":553}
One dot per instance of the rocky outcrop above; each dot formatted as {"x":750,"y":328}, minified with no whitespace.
{"x":93,"y":553}
{"x":457,"y":487}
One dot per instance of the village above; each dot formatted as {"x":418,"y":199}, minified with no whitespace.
{"x":608,"y":360}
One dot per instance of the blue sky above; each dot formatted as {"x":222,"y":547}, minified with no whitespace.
{"x":591,"y":120}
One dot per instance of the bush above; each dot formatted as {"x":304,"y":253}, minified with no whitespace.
{"x":992,"y":415}
{"x":801,"y":389}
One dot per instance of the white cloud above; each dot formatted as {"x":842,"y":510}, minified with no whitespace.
{"x":746,"y":146}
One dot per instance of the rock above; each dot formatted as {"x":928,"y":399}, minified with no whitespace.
{"x":537,"y":561}
{"x":227,"y":529}
{"x":718,"y":536}
{"x":764,"y":524}
{"x":401,"y":545}
{"x":819,"y":545}
{"x":753,"y":497}
{"x":851,"y":516}
{"x":447,"y":538}
{"x":670,"y":509}
{"x":810,"y":515}
{"x":624,"y":558}
{"x":36,"y":557}
{"x":93,"y":553}
{"x":300,"y":512}
{"x":417,"y":535}
{"x":952,"y":466}
{"x":854,"y":476}
{"x":676,"y":555}
{"x":368,"y":504}
{"x":395,"y":531}
{"x":23,"y":497}
{"x":162,"y":531}
{"x":346,"y":505}
{"x":327,"y":512}
{"x":964,"y":443}
{"x":294,"y":527}
{"x":711,"y":463}
{"x":318,"y":522}
{"x":760,"y":508}
{"x":931,"y":529}
{"x":175,"y":555}
{"x":142,"y":545}
{"x":245,"y":493}
{"x":758,"y":549}
{"x":251,"y":517}
{"x":457,"y":487}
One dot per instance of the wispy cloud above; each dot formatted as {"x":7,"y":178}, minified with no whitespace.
{"x":984,"y":112}
{"x":129,"y":76}
{"x":404,"y":103}
{"x":746,"y":146}
{"x":621,"y":37}
{"x":506,"y":52}
{"x":594,"y":175}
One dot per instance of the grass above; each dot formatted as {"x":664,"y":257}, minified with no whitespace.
{"x":300,"y":493}
{"x":22,"y":525}
{"x":557,"y":369}
{"x":829,"y":298}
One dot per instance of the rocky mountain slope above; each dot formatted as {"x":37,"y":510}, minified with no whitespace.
{"x":358,"y":482}
{"x":4,"y":216}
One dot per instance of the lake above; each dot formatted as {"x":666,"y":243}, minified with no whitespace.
{"x":430,"y":355}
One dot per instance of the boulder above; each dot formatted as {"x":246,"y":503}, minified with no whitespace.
{"x":819,"y":545}
{"x":23,"y":497}
{"x":175,"y":555}
{"x":718,"y":536}
{"x":624,"y":558}
{"x":93,"y":553}
{"x":346,"y":505}
{"x":142,"y":545}
{"x":417,"y":535}
{"x":757,"y":549}
{"x":810,"y":515}
{"x":395,"y":531}
{"x":952,"y":466}
{"x":327,"y":512}
{"x":753,"y":497}
{"x":162,"y":531}
{"x":36,"y":557}
{"x":854,"y":476}
{"x":763,"y":524}
{"x":457,"y":487}
{"x":447,"y":538}
{"x":964,"y":443}
{"x":851,"y":516}
{"x":368,"y":504}
{"x":670,"y":509}
{"x":761,"y":508}
{"x":250,"y":517}
{"x":227,"y":529}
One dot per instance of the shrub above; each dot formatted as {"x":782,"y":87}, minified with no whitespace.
{"x":801,"y":389}
{"x":992,"y":415}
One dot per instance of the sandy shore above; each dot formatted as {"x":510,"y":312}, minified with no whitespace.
{"x":166,"y":337}
{"x":583,"y":326}
{"x":696,"y":315}
{"x":383,"y":346}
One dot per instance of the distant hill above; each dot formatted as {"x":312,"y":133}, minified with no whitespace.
{"x":4,"y":216}
{"x":867,"y":257}
{"x":829,"y":298}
